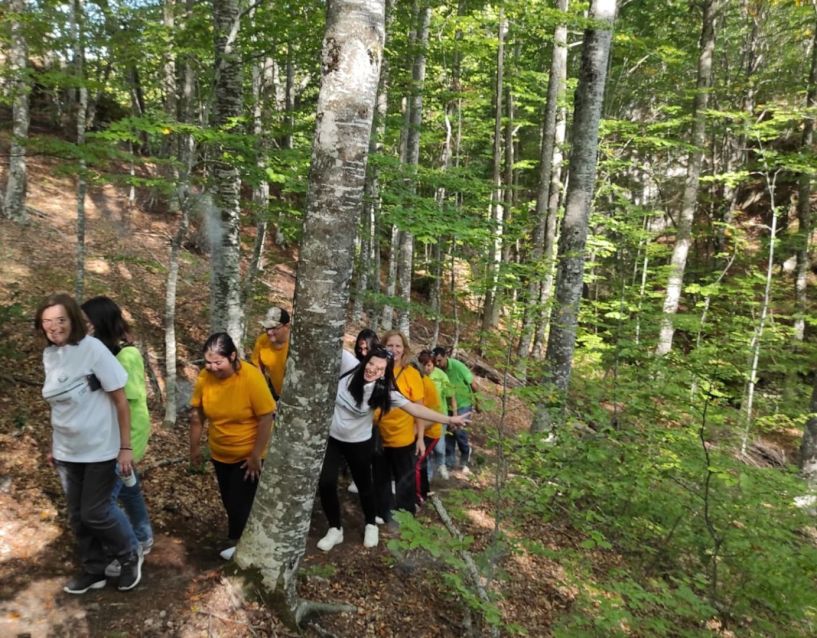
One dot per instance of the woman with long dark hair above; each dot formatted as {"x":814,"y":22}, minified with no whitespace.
{"x":237,"y":404}
{"x":363,"y":387}
{"x":111,"y":328}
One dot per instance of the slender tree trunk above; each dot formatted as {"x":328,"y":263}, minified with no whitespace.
{"x":169,"y":90}
{"x":556,"y":87}
{"x":405,"y":268}
{"x":273,"y":542}
{"x":689,"y":201}
{"x":585,"y":137}
{"x":77,"y":21}
{"x":186,"y":151}
{"x":804,"y":205}
{"x":226,"y":312}
{"x":14,"y":203}
{"x":261,"y":190}
{"x":497,"y":211}
{"x":557,"y":188}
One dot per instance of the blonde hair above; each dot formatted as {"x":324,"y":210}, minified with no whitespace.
{"x":406,"y":347}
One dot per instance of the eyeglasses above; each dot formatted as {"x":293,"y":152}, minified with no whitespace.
{"x":59,"y":321}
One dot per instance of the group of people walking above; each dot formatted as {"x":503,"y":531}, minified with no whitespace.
{"x":389,"y":419}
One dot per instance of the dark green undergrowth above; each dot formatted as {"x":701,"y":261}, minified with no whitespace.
{"x":677,"y":536}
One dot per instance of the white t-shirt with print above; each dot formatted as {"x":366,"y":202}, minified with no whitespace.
{"x":85,"y":426}
{"x":352,"y":423}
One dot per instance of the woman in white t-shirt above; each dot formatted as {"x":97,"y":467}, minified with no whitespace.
{"x":90,"y":419}
{"x":364,"y":386}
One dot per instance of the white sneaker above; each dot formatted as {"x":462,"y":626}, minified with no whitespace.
{"x":228,"y":553}
{"x":333,"y":537}
{"x":465,"y":471}
{"x":444,"y":473}
{"x":113,"y":569}
{"x":379,"y":521}
{"x":352,"y":488}
{"x":371,"y":536}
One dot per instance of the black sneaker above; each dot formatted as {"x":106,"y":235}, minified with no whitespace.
{"x":131,"y":572}
{"x":83,"y":582}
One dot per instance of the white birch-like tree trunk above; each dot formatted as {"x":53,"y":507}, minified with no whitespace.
{"x":556,"y":87}
{"x":804,"y":205}
{"x":226,"y":311}
{"x":571,"y":257}
{"x":14,"y":202}
{"x":689,"y":200}
{"x":76,"y":20}
{"x":273,"y":543}
{"x":405,"y":265}
{"x":186,"y":154}
{"x":497,"y":211}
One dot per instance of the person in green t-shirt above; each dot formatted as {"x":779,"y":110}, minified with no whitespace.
{"x":110,"y":327}
{"x":463,"y":389}
{"x":447,"y":404}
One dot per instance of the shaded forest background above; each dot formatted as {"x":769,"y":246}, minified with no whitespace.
{"x":670,"y":447}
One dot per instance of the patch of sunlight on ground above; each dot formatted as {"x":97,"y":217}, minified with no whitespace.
{"x":42,"y":609}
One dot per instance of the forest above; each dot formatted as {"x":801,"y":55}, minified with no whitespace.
{"x":604,"y":208}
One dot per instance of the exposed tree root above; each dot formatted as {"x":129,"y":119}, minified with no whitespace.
{"x":305,"y":609}
{"x":470,"y":565}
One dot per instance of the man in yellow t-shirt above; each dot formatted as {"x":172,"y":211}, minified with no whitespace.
{"x":271,"y":348}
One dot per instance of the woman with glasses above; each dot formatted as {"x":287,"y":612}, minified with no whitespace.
{"x":364,"y":386}
{"x":84,"y":385}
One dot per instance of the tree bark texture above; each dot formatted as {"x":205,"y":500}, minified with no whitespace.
{"x":804,"y":205}
{"x":496,"y":212}
{"x":77,"y":18}
{"x":556,"y":87}
{"x":14,"y":202}
{"x":405,"y":267}
{"x":224,"y":220}
{"x":689,"y":201}
{"x":585,"y":135}
{"x":274,"y":541}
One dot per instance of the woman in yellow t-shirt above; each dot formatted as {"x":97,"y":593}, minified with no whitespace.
{"x":401,"y":433}
{"x":237,"y":404}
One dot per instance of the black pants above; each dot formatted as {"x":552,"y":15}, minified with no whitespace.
{"x":359,"y":458}
{"x":395,"y":464}
{"x":101,"y":528}
{"x":421,"y":482}
{"x":236,"y":494}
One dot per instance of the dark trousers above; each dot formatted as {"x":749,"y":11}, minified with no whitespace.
{"x":421,"y":484}
{"x":101,"y":528}
{"x":395,"y":464}
{"x":457,"y":438}
{"x":236,"y":494}
{"x":359,"y":458}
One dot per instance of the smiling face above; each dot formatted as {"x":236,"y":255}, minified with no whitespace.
{"x":56,"y":325}
{"x":218,"y":365}
{"x":374,"y":369}
{"x":363,"y":347}
{"x":394,"y":344}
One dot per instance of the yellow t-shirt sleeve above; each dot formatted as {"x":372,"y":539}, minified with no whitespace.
{"x":397,"y":427}
{"x":260,"y":395}
{"x":432,"y":401}
{"x":255,"y":357}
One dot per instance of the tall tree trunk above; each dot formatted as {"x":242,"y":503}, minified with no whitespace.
{"x":273,"y":542}
{"x":226,"y":313}
{"x":186,"y":151}
{"x":496,"y":212}
{"x":683,"y":234}
{"x":169,"y":90}
{"x":556,"y":88}
{"x":78,"y":36}
{"x":261,"y":190}
{"x":14,"y":203}
{"x":405,"y":267}
{"x":804,"y":204}
{"x":570,"y":270}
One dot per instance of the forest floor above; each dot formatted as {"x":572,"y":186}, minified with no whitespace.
{"x":184,"y":591}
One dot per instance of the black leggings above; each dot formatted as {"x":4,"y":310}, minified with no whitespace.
{"x":395,"y":464}
{"x":236,"y":494}
{"x":359,"y":458}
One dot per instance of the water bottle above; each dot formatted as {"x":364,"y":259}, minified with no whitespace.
{"x":128,"y":480}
